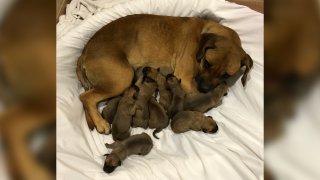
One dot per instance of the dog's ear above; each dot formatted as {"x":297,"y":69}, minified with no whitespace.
{"x":158,"y":69}
{"x":207,"y":41}
{"x":248,"y":63}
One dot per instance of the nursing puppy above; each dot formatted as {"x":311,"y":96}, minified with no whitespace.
{"x":178,"y":95}
{"x":110,"y":110}
{"x":147,"y":88}
{"x":158,"y":116}
{"x":193,"y":120}
{"x":140,"y":144}
{"x":164,"y":92}
{"x":123,"y":117}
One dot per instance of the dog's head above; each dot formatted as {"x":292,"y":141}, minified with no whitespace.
{"x":111,"y":163}
{"x":219,"y":58}
{"x":209,"y":125}
{"x":151,"y":72}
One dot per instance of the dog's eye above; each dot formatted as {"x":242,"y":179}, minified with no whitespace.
{"x":206,"y":64}
{"x":225,"y":76}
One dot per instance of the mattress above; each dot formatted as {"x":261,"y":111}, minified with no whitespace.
{"x":234,"y":152}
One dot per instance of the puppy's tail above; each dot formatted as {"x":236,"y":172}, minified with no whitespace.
{"x":81,"y":73}
{"x":157,"y":130}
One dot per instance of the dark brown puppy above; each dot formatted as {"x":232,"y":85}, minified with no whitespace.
{"x":193,"y":120}
{"x":147,"y":88}
{"x":178,"y":95}
{"x":140,"y":144}
{"x":123,"y":117}
{"x":158,"y":116}
{"x":110,"y":110}
{"x":198,"y":51}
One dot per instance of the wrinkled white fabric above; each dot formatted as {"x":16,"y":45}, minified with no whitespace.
{"x":234,"y":152}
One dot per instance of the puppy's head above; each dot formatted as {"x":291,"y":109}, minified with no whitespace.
{"x":209,"y":125}
{"x":172,"y":80}
{"x":151,"y":72}
{"x":219,"y":58}
{"x":132,"y":92}
{"x":111,"y":163}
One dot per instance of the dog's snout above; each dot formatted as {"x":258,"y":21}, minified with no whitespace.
{"x":215,"y":129}
{"x":108,"y":169}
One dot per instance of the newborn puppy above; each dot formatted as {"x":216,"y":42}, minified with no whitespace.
{"x":140,"y":144}
{"x":147,"y":88}
{"x":164,"y":92}
{"x":110,"y":110}
{"x":123,"y":117}
{"x":158,"y":116}
{"x":193,"y":120}
{"x":178,"y":95}
{"x":203,"y":102}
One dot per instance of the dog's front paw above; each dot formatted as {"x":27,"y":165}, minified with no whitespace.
{"x":103,"y":127}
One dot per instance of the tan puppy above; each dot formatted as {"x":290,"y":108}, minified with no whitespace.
{"x":147,"y":88}
{"x":110,"y":110}
{"x":203,"y":102}
{"x":193,"y":120}
{"x":158,"y":116}
{"x":140,"y":144}
{"x":198,"y":51}
{"x":178,"y":95}
{"x":123,"y":117}
{"x":164,"y":92}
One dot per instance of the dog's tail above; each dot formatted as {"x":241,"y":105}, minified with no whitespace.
{"x":81,"y":73}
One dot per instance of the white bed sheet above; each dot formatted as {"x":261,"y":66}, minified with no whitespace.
{"x":234,"y":152}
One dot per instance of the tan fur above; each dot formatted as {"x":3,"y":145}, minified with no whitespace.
{"x":193,"y":120}
{"x":123,"y":117}
{"x":139,"y":144}
{"x":158,"y":116}
{"x":105,"y":67}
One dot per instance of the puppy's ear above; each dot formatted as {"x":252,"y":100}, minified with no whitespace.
{"x":136,"y":88}
{"x":158,"y":69}
{"x":207,"y":41}
{"x":248,"y":63}
{"x":169,"y":76}
{"x":145,"y":70}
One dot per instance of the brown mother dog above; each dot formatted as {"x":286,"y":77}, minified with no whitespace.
{"x":200,"y":52}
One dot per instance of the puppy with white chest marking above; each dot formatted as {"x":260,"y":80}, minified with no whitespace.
{"x":123,"y":117}
{"x":164,"y":92}
{"x":158,"y":116}
{"x":178,"y":95}
{"x":147,"y":88}
{"x":139,"y":144}
{"x":192,"y":120}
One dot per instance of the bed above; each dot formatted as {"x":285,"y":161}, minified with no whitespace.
{"x":234,"y":152}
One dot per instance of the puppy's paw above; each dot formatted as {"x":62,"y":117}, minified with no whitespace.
{"x":103,"y":127}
